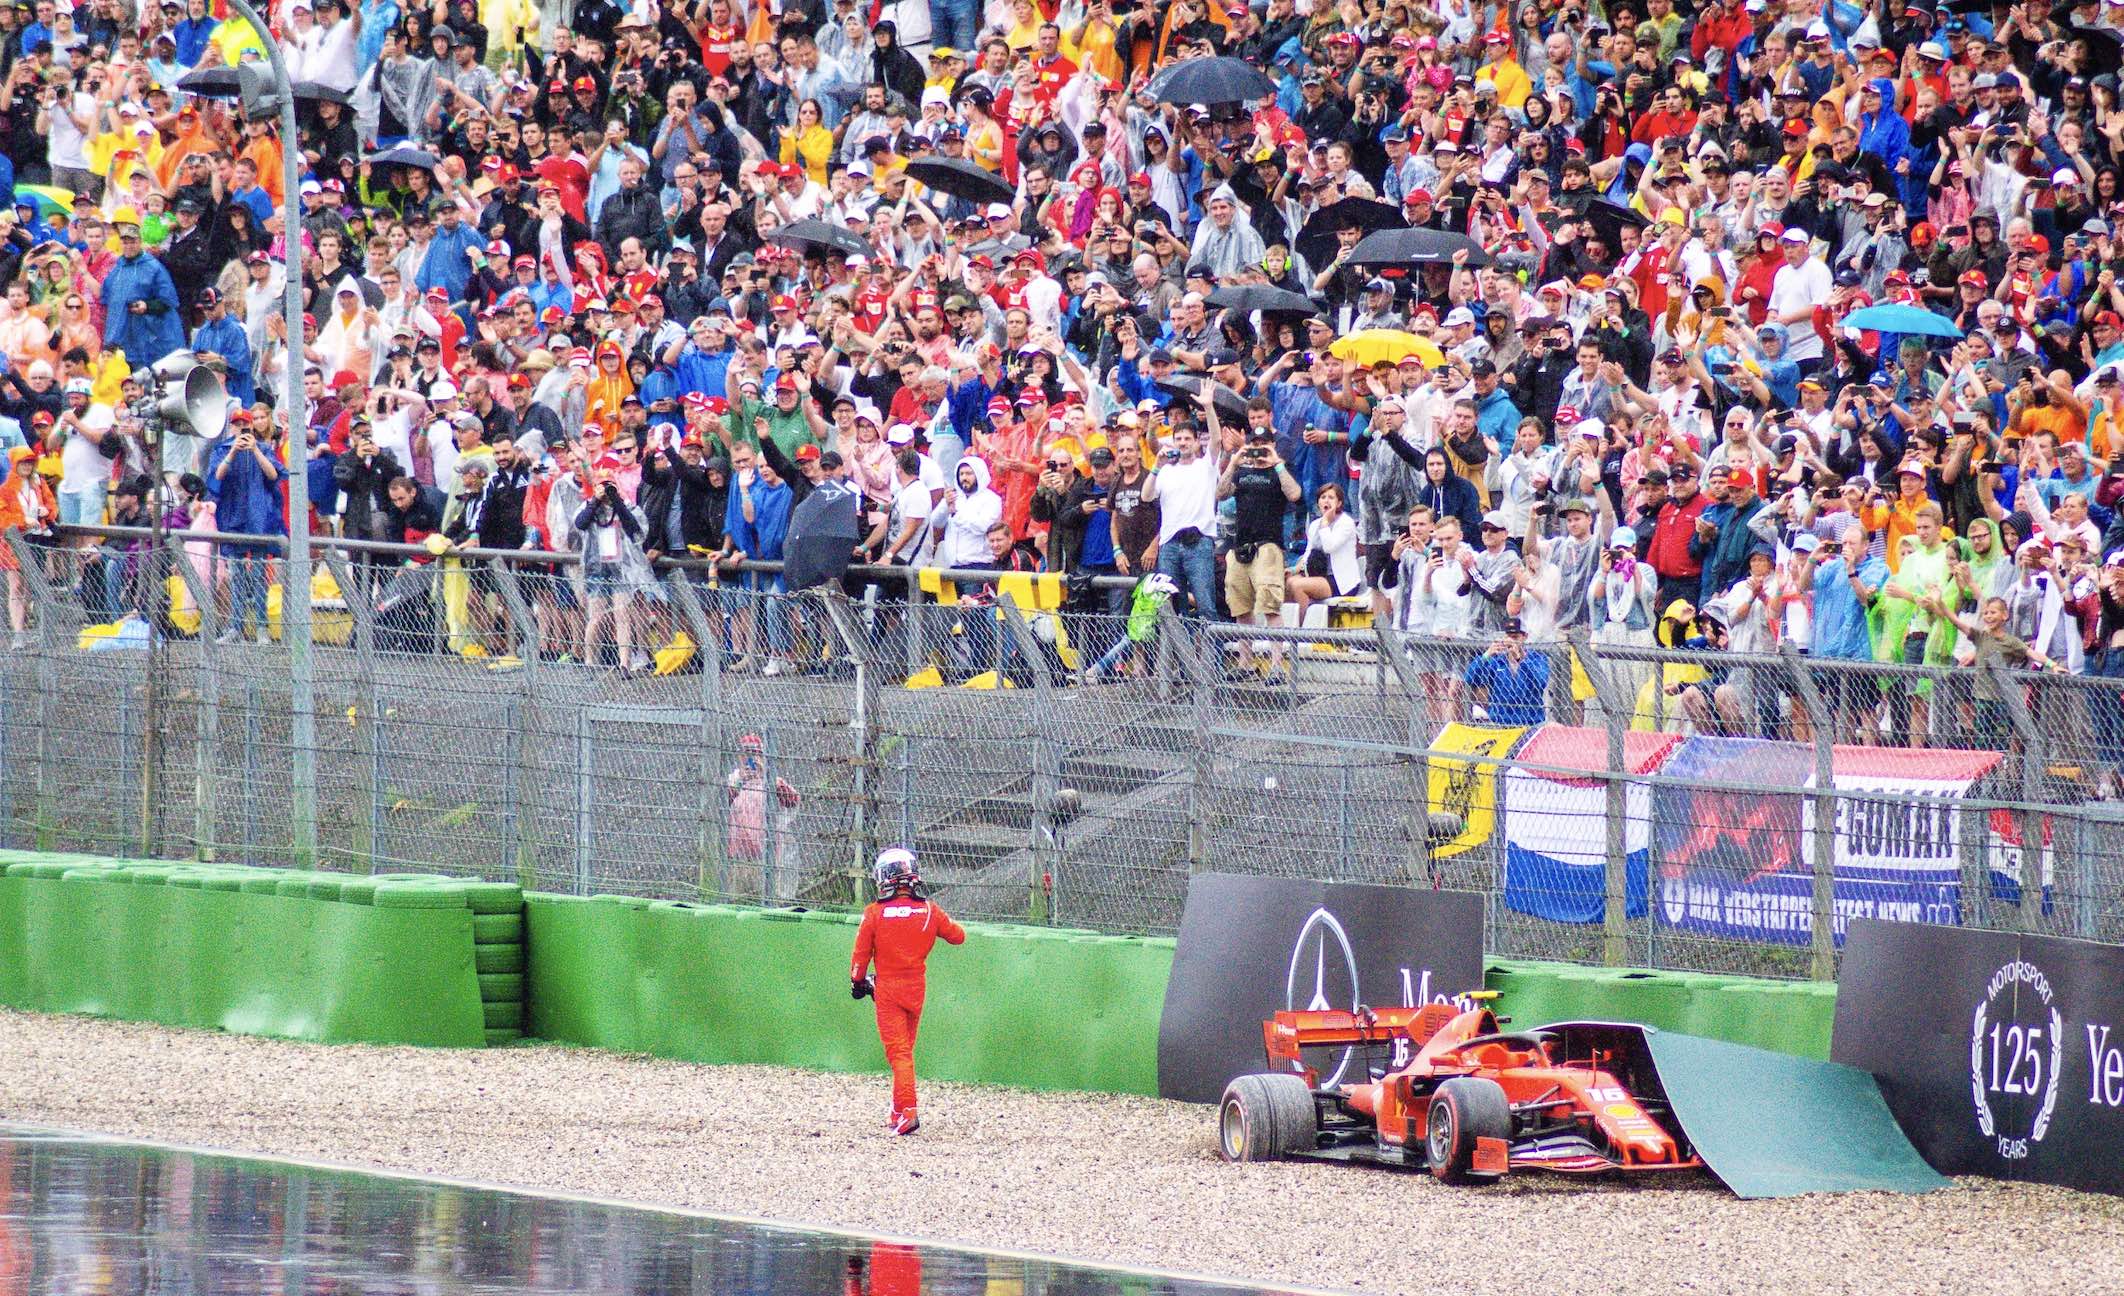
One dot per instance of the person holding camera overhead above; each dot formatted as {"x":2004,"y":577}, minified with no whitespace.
{"x":1262,"y":487}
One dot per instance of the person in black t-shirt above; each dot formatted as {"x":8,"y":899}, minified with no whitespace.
{"x":1262,"y":488}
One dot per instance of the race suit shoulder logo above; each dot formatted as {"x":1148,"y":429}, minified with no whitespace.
{"x":2016,"y":1055}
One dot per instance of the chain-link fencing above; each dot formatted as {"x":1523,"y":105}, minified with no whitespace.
{"x":707,"y":736}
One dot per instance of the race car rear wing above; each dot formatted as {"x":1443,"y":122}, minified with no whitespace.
{"x":1287,"y":1034}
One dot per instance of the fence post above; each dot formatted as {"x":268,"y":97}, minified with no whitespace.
{"x":206,"y":735}
{"x":2033,"y":750}
{"x":356,"y":594}
{"x":708,"y":833}
{"x":1416,"y":821}
{"x":917,"y":640}
{"x":27,"y":561}
{"x":523,"y":783}
{"x":1047,"y":764}
{"x":585,"y":796}
{"x":1823,"y":839}
{"x":1615,"y":707}
{"x":1178,"y":650}
{"x":862,"y":722}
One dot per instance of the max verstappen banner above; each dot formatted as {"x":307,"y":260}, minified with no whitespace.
{"x":1740,"y":864}
{"x":1556,"y":836}
{"x":1464,"y":789}
{"x":1252,"y":946}
{"x":1999,"y":1054}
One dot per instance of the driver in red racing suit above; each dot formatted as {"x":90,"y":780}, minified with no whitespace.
{"x":899,"y":928}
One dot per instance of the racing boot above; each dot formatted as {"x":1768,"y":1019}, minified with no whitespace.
{"x":906,"y":1123}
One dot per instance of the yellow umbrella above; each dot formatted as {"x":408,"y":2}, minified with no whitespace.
{"x":1368,"y":347}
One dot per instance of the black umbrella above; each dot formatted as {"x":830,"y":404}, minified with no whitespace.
{"x":2105,"y":49}
{"x":404,"y":155}
{"x":318,"y":92}
{"x":818,"y":236}
{"x":210,"y":83}
{"x":1316,"y":241}
{"x":1606,"y":218}
{"x":1210,"y":81}
{"x":1406,"y":247}
{"x":1231,"y":406}
{"x":1263,"y":298}
{"x":961,"y":179}
{"x":823,"y":531}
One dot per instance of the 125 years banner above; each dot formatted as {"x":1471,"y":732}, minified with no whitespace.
{"x":2000,"y":1054}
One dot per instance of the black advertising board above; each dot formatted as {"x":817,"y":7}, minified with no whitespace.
{"x":1250,"y":946}
{"x":2000,"y":1054}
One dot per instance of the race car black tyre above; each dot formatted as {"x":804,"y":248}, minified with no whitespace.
{"x":1265,"y":1117}
{"x":1291,"y":1105}
{"x":1464,"y":1109}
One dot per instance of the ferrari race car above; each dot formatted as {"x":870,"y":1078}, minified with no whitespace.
{"x":1447,"y":1090}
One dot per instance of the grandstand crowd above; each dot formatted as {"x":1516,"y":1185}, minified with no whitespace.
{"x":1505,"y":323}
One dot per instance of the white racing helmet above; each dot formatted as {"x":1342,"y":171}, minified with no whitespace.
{"x":896,"y":871}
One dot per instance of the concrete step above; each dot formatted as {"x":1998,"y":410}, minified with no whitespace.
{"x":958,"y":850}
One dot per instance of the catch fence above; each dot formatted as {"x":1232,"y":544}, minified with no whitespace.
{"x":1673,"y":808}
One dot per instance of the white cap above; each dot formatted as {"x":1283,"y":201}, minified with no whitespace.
{"x":79,"y":387}
{"x":998,"y":211}
{"x":1797,"y":236}
{"x":311,"y":187}
{"x":1806,"y":542}
{"x":900,"y":434}
{"x":443,"y":391}
{"x":1459,"y":315}
{"x":1623,"y":538}
{"x":936,"y":95}
{"x":1496,"y":518}
{"x":2065,"y":176}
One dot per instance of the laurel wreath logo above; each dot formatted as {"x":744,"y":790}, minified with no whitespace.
{"x":1976,"y":1069}
{"x":1987,"y":1122}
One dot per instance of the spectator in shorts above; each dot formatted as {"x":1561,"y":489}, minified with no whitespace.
{"x":1333,"y":566}
{"x":1262,"y":487}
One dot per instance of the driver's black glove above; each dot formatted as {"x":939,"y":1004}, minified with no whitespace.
{"x":860,"y":989}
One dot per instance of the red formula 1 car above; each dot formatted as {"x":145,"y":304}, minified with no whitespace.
{"x":1446,"y":1090}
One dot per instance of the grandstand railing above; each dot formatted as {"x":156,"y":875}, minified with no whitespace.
{"x":1658,"y":819}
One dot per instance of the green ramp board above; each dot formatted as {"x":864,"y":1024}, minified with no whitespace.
{"x":1774,"y":1125}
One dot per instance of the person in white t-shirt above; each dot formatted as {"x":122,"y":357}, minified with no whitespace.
{"x":1802,"y":283}
{"x":66,"y":118}
{"x":1184,"y":487}
{"x":907,"y":530}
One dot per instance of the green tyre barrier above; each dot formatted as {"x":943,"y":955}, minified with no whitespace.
{"x":494,"y":897}
{"x":505,"y":1016}
{"x":419,"y":895}
{"x":687,"y":982}
{"x":1783,"y":1016}
{"x":185,"y":955}
{"x":498,"y":958}
{"x":498,"y":929}
{"x":358,"y":891}
{"x":502,"y":987}
{"x":503,"y":1038}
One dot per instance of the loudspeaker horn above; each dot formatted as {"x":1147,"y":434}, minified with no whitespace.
{"x":191,"y":396}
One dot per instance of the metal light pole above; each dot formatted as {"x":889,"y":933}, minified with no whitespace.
{"x":295,"y":573}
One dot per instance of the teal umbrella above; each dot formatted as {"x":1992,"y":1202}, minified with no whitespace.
{"x":1915,"y":320}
